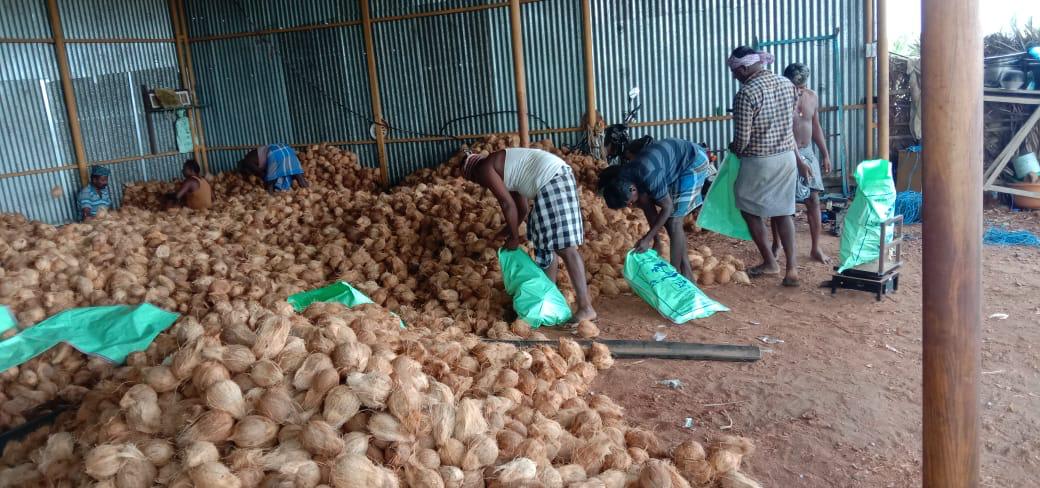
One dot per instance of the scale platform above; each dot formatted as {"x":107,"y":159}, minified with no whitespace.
{"x":880,"y":277}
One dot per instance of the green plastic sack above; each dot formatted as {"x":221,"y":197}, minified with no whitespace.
{"x":182,"y":129}
{"x":873,"y":204}
{"x":111,"y":332}
{"x":6,"y":319}
{"x":719,"y":212}
{"x":338,"y":292}
{"x":536,"y":298}
{"x":670,"y":293}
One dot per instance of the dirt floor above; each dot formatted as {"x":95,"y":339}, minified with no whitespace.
{"x":838,"y":403}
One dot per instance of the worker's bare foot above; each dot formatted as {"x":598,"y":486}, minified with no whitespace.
{"x":764,"y":269}
{"x":584,"y":314}
{"x":791,"y":279}
{"x":818,"y":256}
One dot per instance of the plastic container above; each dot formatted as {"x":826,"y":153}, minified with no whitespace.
{"x":1025,"y":164}
{"x":1026,"y":202}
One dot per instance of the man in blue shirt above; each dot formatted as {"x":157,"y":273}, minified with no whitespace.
{"x":96,"y":195}
{"x":664,"y":178}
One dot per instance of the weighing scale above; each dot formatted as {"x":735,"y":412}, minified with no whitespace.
{"x":881,"y":276}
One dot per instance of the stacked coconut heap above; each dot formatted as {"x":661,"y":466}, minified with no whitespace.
{"x":324,"y":165}
{"x":421,"y":250}
{"x":260,"y":396}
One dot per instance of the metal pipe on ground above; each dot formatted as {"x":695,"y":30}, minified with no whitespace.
{"x":661,"y":350}
{"x":952,"y":241}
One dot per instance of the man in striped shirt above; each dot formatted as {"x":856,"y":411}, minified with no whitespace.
{"x":96,"y":195}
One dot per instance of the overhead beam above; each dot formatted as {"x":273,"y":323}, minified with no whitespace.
{"x":952,"y":241}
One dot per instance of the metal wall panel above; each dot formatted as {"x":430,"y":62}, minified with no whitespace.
{"x":105,"y":19}
{"x":107,"y":80}
{"x":26,"y":19}
{"x":675,"y":51}
{"x":47,"y":197}
{"x":32,"y":111}
{"x":393,"y":8}
{"x":208,"y":17}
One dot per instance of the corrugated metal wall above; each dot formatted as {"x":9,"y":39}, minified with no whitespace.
{"x":452,"y":73}
{"x":114,"y":47}
{"x":303,"y":79}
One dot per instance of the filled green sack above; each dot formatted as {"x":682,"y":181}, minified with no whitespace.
{"x":338,"y":292}
{"x":720,"y":213}
{"x":670,"y":293}
{"x":536,"y":298}
{"x":873,"y":203}
{"x":111,"y":332}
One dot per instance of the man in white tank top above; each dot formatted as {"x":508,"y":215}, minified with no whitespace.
{"x":555,"y":226}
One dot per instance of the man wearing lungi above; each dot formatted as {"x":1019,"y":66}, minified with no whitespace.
{"x":276,"y":165}
{"x":769,"y":162}
{"x":664,"y":178}
{"x":807,"y":131}
{"x":555,"y":226}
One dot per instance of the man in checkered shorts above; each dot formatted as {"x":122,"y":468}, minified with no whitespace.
{"x":554,"y":224}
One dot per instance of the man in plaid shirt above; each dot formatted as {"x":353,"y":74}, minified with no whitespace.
{"x":769,"y":162}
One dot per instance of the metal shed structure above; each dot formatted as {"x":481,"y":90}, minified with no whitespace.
{"x":262,"y":71}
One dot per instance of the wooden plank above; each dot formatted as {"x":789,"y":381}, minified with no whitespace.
{"x":66,"y":87}
{"x":1014,"y":100}
{"x":994,"y":170}
{"x":1012,"y":191}
{"x":373,"y":90}
{"x":661,"y":349}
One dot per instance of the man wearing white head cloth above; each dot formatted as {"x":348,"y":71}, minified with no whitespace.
{"x":769,"y":162}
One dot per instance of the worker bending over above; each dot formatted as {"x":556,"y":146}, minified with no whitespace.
{"x":195,"y":192}
{"x":95,"y":196}
{"x":664,"y":179}
{"x":769,"y":162}
{"x":555,"y":227}
{"x":807,"y":130}
{"x":276,"y":165}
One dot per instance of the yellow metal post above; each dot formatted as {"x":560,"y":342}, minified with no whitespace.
{"x":518,"y":71}
{"x":66,"y":87}
{"x":373,"y":89}
{"x":180,"y":39}
{"x":883,"y":82}
{"x":190,"y":71}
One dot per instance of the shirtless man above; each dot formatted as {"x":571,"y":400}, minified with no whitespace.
{"x":807,"y":131}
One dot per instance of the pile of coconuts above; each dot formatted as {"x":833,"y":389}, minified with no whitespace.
{"x":344,"y":398}
{"x":423,"y":249}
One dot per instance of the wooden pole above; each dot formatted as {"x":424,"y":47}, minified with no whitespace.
{"x":66,"y":87}
{"x":181,"y":41}
{"x":373,"y":90}
{"x":590,"y":67}
{"x":183,"y":15}
{"x":952,"y":241}
{"x":868,"y":38}
{"x":883,"y":81}
{"x":515,"y":28}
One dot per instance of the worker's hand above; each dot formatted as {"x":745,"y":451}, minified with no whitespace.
{"x":826,"y":163}
{"x":512,"y":242}
{"x":642,"y":245}
{"x":804,"y":169}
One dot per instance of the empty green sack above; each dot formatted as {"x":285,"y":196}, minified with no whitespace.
{"x":536,"y":298}
{"x":338,"y":292}
{"x":720,"y":213}
{"x":873,"y":203}
{"x":670,"y":293}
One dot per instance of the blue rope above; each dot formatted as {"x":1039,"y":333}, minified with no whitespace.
{"x":908,"y":204}
{"x":1002,"y":237}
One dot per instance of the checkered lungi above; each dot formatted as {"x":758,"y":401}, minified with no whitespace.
{"x":686,"y":191}
{"x":555,"y":222}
